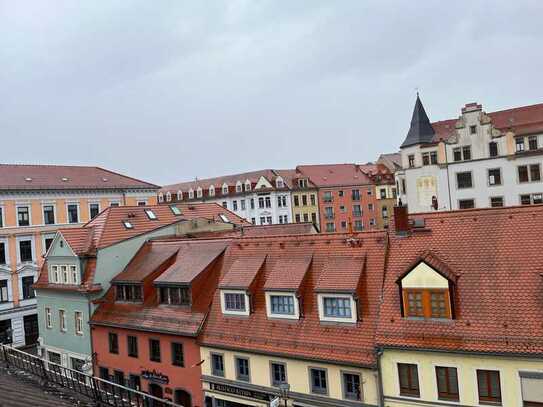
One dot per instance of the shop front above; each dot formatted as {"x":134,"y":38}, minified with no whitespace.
{"x":219,"y":394}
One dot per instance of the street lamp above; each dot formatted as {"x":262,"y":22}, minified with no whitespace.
{"x":284,"y":389}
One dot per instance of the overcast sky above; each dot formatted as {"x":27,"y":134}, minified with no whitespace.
{"x":171,"y":90}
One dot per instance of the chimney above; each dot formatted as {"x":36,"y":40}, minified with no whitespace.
{"x":401,"y":220}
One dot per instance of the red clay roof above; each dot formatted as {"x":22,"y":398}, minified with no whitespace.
{"x":521,"y":120}
{"x":307,"y":337}
{"x":341,"y":273}
{"x":328,"y":175}
{"x":191,"y":259}
{"x":243,"y":272}
{"x":497,"y":256}
{"x":79,"y":239}
{"x":287,"y":273}
{"x":29,"y":177}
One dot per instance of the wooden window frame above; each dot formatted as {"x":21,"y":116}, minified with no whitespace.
{"x":489,"y":399}
{"x":426,"y":302}
{"x":410,"y":390}
{"x":447,"y":394}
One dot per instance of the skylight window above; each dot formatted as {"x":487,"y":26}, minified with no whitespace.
{"x":150,"y":214}
{"x":175,"y":210}
{"x":127,"y":224}
{"x":224,"y":218}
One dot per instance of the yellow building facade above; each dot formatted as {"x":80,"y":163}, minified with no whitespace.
{"x":259,"y":390}
{"x":385,"y":196}
{"x":305,"y":206}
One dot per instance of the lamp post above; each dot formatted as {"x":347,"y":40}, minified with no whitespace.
{"x":284,"y":389}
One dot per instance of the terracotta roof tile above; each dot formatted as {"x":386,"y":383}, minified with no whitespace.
{"x":341,"y":273}
{"x":243,"y":271}
{"x":29,"y":177}
{"x":191,"y":259}
{"x":230,"y":180}
{"x":327,"y":175}
{"x":497,"y":256}
{"x":287,"y":272}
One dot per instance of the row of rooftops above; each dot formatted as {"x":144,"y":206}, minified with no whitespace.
{"x":491,"y":258}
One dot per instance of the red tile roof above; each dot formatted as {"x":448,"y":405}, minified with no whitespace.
{"x":191,"y":259}
{"x":79,"y":239}
{"x":328,"y":175}
{"x":497,"y":257}
{"x":291,"y":177}
{"x":307,"y":337}
{"x":341,"y":273}
{"x":243,"y":272}
{"x":521,"y":120}
{"x":287,"y":273}
{"x":31,"y":177}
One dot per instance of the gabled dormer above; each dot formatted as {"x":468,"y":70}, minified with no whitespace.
{"x":224,"y":188}
{"x":263,"y":183}
{"x":211,"y":191}
{"x":239,"y":187}
{"x":427,"y":289}
{"x":237,"y":285}
{"x":247,"y":185}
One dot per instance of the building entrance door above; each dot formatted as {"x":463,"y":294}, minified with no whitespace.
{"x":5,"y":331}
{"x":182,"y":397}
{"x":31,"y":329}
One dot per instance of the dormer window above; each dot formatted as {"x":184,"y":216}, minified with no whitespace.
{"x":337,"y":308}
{"x":247,"y":185}
{"x":234,"y":302}
{"x":199,"y":192}
{"x":225,"y":189}
{"x":179,"y":195}
{"x":426,"y":291}
{"x":191,"y":193}
{"x":211,"y":190}
{"x":224,"y":218}
{"x":128,"y":292}
{"x":279,"y":183}
{"x":302,"y":183}
{"x":174,"y":295}
{"x":161,"y":197}
{"x":239,"y":188}
{"x":168,"y":196}
{"x":150,"y":214}
{"x":472,"y":129}
{"x":282,"y":305}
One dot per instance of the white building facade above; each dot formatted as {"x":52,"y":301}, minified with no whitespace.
{"x":262,"y":198}
{"x":478,"y":160}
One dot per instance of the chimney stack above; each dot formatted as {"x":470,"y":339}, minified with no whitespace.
{"x":401,"y":220}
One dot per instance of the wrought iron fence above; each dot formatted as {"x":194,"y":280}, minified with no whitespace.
{"x":103,"y":392}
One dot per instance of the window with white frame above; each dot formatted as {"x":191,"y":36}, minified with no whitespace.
{"x":224,"y":189}
{"x":282,"y":305}
{"x":211,"y":190}
{"x":4,"y":292}
{"x":160,"y":197}
{"x":238,"y":187}
{"x":279,"y":183}
{"x":235,"y":302}
{"x":78,"y":317}
{"x":199,"y":192}
{"x":247,"y":185}
{"x":73,"y":212}
{"x":74,"y":275}
{"x":23,"y":215}
{"x":191,"y":193}
{"x":48,"y":318}
{"x":54,"y":277}
{"x":179,"y":195}
{"x":168,"y":196}
{"x":337,"y":308}
{"x":64,"y":274}
{"x":62,"y":320}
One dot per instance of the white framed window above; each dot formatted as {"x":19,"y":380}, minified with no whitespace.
{"x":48,"y":318}
{"x":225,"y":189}
{"x":199,"y":192}
{"x":114,"y":203}
{"x":49,"y":213}
{"x":74,"y":274}
{"x":94,"y":209}
{"x":24,"y":215}
{"x":239,"y":187}
{"x":65,"y":278}
{"x":191,"y":193}
{"x":279,"y":183}
{"x":282,"y":305}
{"x":141,"y":202}
{"x":62,"y":320}
{"x":179,"y":195}
{"x":211,"y":190}
{"x":247,"y":185}
{"x":150,"y":214}
{"x":54,"y":275}
{"x":168,"y":196}
{"x":160,"y":197}
{"x":78,"y":319}
{"x":337,"y":308}
{"x":234,"y":302}
{"x":25,"y":252}
{"x":72,"y":212}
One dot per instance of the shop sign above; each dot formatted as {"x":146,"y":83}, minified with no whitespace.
{"x":155,"y":377}
{"x":237,"y":391}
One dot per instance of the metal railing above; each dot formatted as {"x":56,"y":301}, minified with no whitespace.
{"x":103,"y":392}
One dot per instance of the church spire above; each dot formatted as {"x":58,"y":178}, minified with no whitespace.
{"x":421,"y":130}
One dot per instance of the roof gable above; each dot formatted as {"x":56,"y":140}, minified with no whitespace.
{"x":243,"y":272}
{"x":263,"y":183}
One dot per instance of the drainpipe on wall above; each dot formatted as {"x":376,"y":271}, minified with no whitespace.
{"x":448,"y":178}
{"x":379,"y":353}
{"x":92,"y":359}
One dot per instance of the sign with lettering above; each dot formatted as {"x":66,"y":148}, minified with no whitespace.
{"x":154,"y":376}
{"x":237,"y":391}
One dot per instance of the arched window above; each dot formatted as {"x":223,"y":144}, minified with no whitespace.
{"x":239,"y":188}
{"x":191,"y":193}
{"x":247,"y":185}
{"x":279,"y":183}
{"x":168,"y":196}
{"x":179,"y":195}
{"x":224,"y":189}
{"x":211,"y":190}
{"x":160,"y":197}
{"x":199,"y":192}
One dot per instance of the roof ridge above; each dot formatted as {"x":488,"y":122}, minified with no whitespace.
{"x":486,"y":211}
{"x":126,"y":176}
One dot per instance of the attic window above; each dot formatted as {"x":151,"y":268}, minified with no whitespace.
{"x":28,"y":179}
{"x":175,"y":210}
{"x":224,"y":218}
{"x":128,"y":292}
{"x":174,"y":295}
{"x":64,"y":179}
{"x":128,"y":225}
{"x":104,"y":179}
{"x":150,"y":214}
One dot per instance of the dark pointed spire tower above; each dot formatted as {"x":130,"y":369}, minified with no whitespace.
{"x":421,"y":130}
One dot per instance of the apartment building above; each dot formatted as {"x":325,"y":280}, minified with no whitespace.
{"x":475,"y":161}
{"x":81,"y":263}
{"x":347,"y":195}
{"x":261,"y":197}
{"x":35,"y":201}
{"x":304,"y":195}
